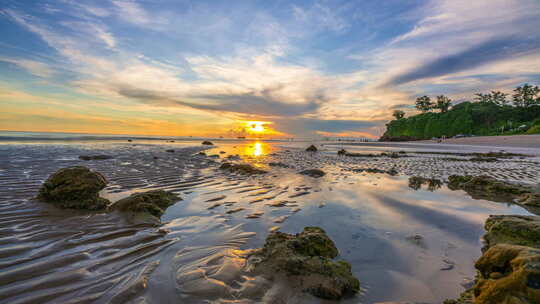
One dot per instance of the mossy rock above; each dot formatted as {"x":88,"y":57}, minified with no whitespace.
{"x":486,"y":187}
{"x":313,"y":173}
{"x":530,"y":199}
{"x":241,"y":168}
{"x":312,"y":148}
{"x":75,"y":188}
{"x":154,"y":202}
{"x":306,"y":259}
{"x":513,"y":229}
{"x":508,"y":274}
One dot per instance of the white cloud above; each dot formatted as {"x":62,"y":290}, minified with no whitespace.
{"x":34,"y":67}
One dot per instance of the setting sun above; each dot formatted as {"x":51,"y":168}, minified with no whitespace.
{"x":256,"y":126}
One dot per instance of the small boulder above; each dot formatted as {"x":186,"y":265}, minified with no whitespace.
{"x":154,"y":202}
{"x":208,"y":143}
{"x":241,"y":168}
{"x":313,"y":173}
{"x":342,"y":152}
{"x":305,"y":259}
{"x":170,"y":151}
{"x":95,"y":157}
{"x":312,"y":148}
{"x":75,"y":188}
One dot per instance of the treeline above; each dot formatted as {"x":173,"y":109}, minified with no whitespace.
{"x":492,"y":114}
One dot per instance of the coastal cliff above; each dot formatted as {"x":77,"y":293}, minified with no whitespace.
{"x":468,"y":118}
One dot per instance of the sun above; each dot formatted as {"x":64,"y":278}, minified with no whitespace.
{"x":256,"y":126}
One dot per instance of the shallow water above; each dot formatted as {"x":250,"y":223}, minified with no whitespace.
{"x":59,"y":256}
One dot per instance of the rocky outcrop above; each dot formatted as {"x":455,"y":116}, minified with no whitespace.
{"x":305,"y":260}
{"x":489,"y":188}
{"x":312,"y":148}
{"x":313,"y":173}
{"x":512,"y":229}
{"x":154,"y":202}
{"x":342,"y":152}
{"x":74,"y":187}
{"x":207,"y":143}
{"x":509,"y":269}
{"x":508,"y":274}
{"x":241,"y":168}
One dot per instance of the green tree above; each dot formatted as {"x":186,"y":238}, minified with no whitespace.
{"x":526,"y":96}
{"x":424,"y":104}
{"x":483,"y":98}
{"x":495,"y":97}
{"x":443,"y":103}
{"x":499,"y":98}
{"x":398,"y":114}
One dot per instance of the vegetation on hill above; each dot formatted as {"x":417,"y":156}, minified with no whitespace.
{"x":491,"y":114}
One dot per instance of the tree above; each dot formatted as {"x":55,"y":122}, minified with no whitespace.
{"x":499,"y":98}
{"x":398,"y":114}
{"x":443,"y":103}
{"x":526,"y":96}
{"x":424,"y":104}
{"x":483,"y":98}
{"x":495,"y":97}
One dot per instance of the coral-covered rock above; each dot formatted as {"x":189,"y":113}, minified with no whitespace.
{"x":516,"y":279}
{"x":306,"y":260}
{"x":241,"y":168}
{"x":154,"y":202}
{"x":74,"y":187}
{"x":486,"y":187}
{"x":513,"y":229}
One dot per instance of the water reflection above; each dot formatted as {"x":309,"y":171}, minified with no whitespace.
{"x":416,"y":183}
{"x":256,"y":149}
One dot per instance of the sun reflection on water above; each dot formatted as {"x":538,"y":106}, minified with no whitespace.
{"x":256,"y":149}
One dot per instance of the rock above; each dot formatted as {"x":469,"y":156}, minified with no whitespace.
{"x":170,"y":151}
{"x":241,"y":168}
{"x":305,"y":260}
{"x":202,"y":153}
{"x":154,"y":202}
{"x":509,"y":269}
{"x":277,"y":164}
{"x":312,"y":148}
{"x":416,"y":183}
{"x":129,"y":140}
{"x":74,"y":187}
{"x":222,"y":152}
{"x":486,"y":187}
{"x":530,"y":199}
{"x":208,"y":143}
{"x":512,"y":229}
{"x":508,"y":274}
{"x":313,"y":173}
{"x":342,"y":152}
{"x":94,"y":157}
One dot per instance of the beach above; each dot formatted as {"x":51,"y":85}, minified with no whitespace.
{"x":523,"y":141}
{"x":405,"y":242}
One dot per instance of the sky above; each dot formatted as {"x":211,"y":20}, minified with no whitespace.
{"x":212,"y":68}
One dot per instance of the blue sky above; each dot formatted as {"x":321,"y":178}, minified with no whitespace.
{"x":204,"y":67}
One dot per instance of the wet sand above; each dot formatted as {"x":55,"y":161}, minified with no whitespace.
{"x":516,"y":141}
{"x":49,"y":255}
